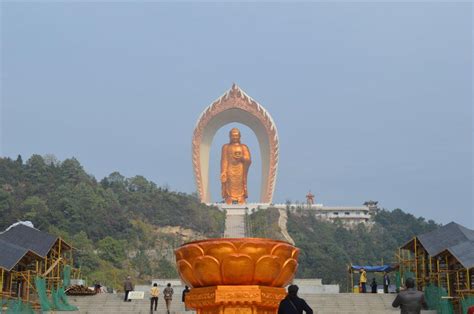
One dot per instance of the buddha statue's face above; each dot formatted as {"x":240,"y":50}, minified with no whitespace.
{"x":237,"y":153}
{"x":234,"y":136}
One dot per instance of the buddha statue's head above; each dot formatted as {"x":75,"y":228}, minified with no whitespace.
{"x":234,"y":135}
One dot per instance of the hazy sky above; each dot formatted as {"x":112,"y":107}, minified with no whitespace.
{"x":371,"y":101}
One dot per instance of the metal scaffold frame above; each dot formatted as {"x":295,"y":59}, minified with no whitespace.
{"x":442,"y":270}
{"x":18,"y":282}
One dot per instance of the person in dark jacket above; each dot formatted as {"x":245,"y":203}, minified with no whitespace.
{"x":127,"y":287}
{"x":410,"y":301}
{"x":386,"y":282}
{"x":183,"y":297}
{"x":292,"y":304}
{"x":373,"y":285}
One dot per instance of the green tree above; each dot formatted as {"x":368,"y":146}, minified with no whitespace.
{"x":112,"y":250}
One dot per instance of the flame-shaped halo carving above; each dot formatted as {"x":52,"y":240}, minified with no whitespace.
{"x":235,"y":106}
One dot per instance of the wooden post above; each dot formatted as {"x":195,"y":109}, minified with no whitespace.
{"x":431,"y":269}
{"x":439,"y":277}
{"x":457,"y":281}
{"x":416,"y":263}
{"x":447,"y":276}
{"x":468,"y":279}
{"x":424,"y":270}
{"x":59,"y":264}
{"x":3,"y":273}
{"x":28,"y":287}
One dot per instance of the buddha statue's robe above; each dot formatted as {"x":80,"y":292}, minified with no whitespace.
{"x":235,"y":162}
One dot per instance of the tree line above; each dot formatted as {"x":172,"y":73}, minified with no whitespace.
{"x":112,"y":223}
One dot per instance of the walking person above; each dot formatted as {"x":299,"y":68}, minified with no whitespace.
{"x":410,"y":301}
{"x":386,"y":282}
{"x":292,"y":304}
{"x":127,"y":287}
{"x":168,"y":296}
{"x":154,"y":292}
{"x":363,"y":280}
{"x":183,"y":297}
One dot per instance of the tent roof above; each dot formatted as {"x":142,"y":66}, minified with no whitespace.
{"x":464,"y":253}
{"x":10,"y":255}
{"x":373,"y":269}
{"x":29,"y":238}
{"x":444,"y":237}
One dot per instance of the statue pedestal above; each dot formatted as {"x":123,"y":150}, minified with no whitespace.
{"x":250,"y":299}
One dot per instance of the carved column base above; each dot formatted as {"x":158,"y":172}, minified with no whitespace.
{"x":235,"y":299}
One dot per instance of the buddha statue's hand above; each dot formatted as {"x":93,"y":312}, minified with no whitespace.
{"x":223,"y":177}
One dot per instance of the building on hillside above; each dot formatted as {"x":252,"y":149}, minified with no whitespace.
{"x":443,"y":258}
{"x":350,"y":216}
{"x":26,"y":252}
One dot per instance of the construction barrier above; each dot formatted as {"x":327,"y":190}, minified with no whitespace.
{"x":466,"y":303}
{"x":436,"y":298}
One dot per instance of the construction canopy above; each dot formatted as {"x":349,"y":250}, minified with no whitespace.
{"x":373,"y":269}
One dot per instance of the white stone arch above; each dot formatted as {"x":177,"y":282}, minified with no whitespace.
{"x":235,"y":106}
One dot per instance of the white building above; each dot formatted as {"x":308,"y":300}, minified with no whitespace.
{"x":348,"y":215}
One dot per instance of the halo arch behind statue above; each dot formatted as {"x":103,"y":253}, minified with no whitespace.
{"x":235,"y":106}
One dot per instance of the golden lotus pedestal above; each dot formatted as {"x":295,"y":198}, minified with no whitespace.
{"x":241,"y":275}
{"x":235,"y":299}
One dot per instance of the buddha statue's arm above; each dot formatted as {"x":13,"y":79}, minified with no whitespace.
{"x":224,"y":162}
{"x":247,"y":160}
{"x":246,"y":156}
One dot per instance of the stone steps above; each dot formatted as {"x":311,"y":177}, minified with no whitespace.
{"x":234,"y":225}
{"x":342,"y":303}
{"x":113,"y":303}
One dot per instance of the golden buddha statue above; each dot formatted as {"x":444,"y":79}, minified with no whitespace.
{"x":235,"y":163}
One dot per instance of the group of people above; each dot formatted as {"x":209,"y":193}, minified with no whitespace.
{"x":410,"y":300}
{"x":155,"y":294}
{"x":373,"y":284}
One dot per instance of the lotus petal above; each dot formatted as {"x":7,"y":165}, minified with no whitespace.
{"x":207,"y":271}
{"x":186,"y":272}
{"x":266,"y":270}
{"x":191,"y":251}
{"x":295,"y":254}
{"x":178,"y":254}
{"x":287,"y":273}
{"x":254,"y":250}
{"x":282,"y":250}
{"x":220,"y":250}
{"x":237,"y":269}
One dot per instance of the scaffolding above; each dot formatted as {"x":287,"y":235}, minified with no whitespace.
{"x":18,"y":283}
{"x":443,"y":271}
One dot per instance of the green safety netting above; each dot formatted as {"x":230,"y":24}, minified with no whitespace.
{"x":40,"y":284}
{"x":408,"y":274}
{"x":434,"y":298}
{"x":466,"y":303}
{"x":66,"y":276}
{"x":60,"y":301}
{"x":2,"y":304}
{"x":18,"y":307}
{"x":398,"y":280}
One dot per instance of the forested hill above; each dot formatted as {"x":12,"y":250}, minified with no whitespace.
{"x":118,"y":224}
